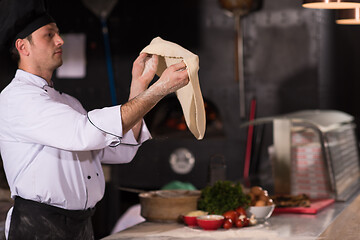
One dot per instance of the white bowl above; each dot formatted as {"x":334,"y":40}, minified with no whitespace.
{"x":261,"y":213}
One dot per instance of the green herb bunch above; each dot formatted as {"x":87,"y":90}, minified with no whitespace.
{"x":222,"y":197}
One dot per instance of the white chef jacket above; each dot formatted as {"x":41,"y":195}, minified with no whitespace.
{"x":52,"y":149}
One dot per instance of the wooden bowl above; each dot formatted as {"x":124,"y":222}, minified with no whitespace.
{"x":168,"y":205}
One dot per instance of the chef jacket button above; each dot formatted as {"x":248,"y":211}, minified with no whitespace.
{"x":89,"y":177}
{"x":97,"y":174}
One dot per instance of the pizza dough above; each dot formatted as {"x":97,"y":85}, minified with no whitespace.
{"x":190,"y":96}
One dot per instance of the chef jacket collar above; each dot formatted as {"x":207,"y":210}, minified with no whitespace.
{"x":38,"y":81}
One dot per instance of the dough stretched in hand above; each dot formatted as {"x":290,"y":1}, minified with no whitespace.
{"x":190,"y":96}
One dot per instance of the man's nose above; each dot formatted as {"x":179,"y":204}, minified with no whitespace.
{"x":59,"y":40}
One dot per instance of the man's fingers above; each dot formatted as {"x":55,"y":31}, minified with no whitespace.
{"x":179,"y":66}
{"x":144,"y":56}
{"x":141,"y":58}
{"x":156,"y":59}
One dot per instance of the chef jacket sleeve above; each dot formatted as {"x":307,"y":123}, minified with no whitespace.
{"x":34,"y":117}
{"x":114,"y":155}
{"x":111,"y":126}
{"x":124,"y":150}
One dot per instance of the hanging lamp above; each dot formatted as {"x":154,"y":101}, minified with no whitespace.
{"x":331,"y":4}
{"x":348,"y":16}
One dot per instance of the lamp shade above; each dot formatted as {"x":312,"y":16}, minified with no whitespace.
{"x":348,"y":16}
{"x":331,"y":4}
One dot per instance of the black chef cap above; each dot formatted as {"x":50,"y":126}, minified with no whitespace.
{"x":20,"y":18}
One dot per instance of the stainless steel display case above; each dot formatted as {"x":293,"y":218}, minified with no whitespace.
{"x":339,"y":149}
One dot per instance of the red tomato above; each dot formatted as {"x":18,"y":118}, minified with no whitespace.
{"x":239,"y":223}
{"x":228,"y":223}
{"x":246,"y":221}
{"x":241,"y":211}
{"x":233,"y":215}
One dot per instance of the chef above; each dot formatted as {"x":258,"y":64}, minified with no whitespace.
{"x":52,"y":149}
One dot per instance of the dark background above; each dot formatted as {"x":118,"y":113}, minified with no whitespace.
{"x":294,"y":59}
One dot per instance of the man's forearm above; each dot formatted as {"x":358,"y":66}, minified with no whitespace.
{"x":134,"y":110}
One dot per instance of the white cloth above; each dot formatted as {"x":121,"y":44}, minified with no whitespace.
{"x":52,"y":149}
{"x":130,"y":218}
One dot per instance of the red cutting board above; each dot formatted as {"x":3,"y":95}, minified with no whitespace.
{"x":315,"y":207}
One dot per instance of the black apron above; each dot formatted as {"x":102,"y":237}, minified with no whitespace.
{"x":34,"y":220}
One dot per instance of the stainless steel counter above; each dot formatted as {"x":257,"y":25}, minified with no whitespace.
{"x":279,"y":226}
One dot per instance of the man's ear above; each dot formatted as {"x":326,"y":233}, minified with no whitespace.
{"x":21,"y":46}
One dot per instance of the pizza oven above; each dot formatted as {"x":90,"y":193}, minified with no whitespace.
{"x":174,"y":153}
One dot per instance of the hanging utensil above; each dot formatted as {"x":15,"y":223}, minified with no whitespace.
{"x":237,"y":9}
{"x":102,"y":9}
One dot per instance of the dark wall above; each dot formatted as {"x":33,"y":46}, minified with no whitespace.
{"x":131,"y":28}
{"x":294,"y":59}
{"x":346,"y":70}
